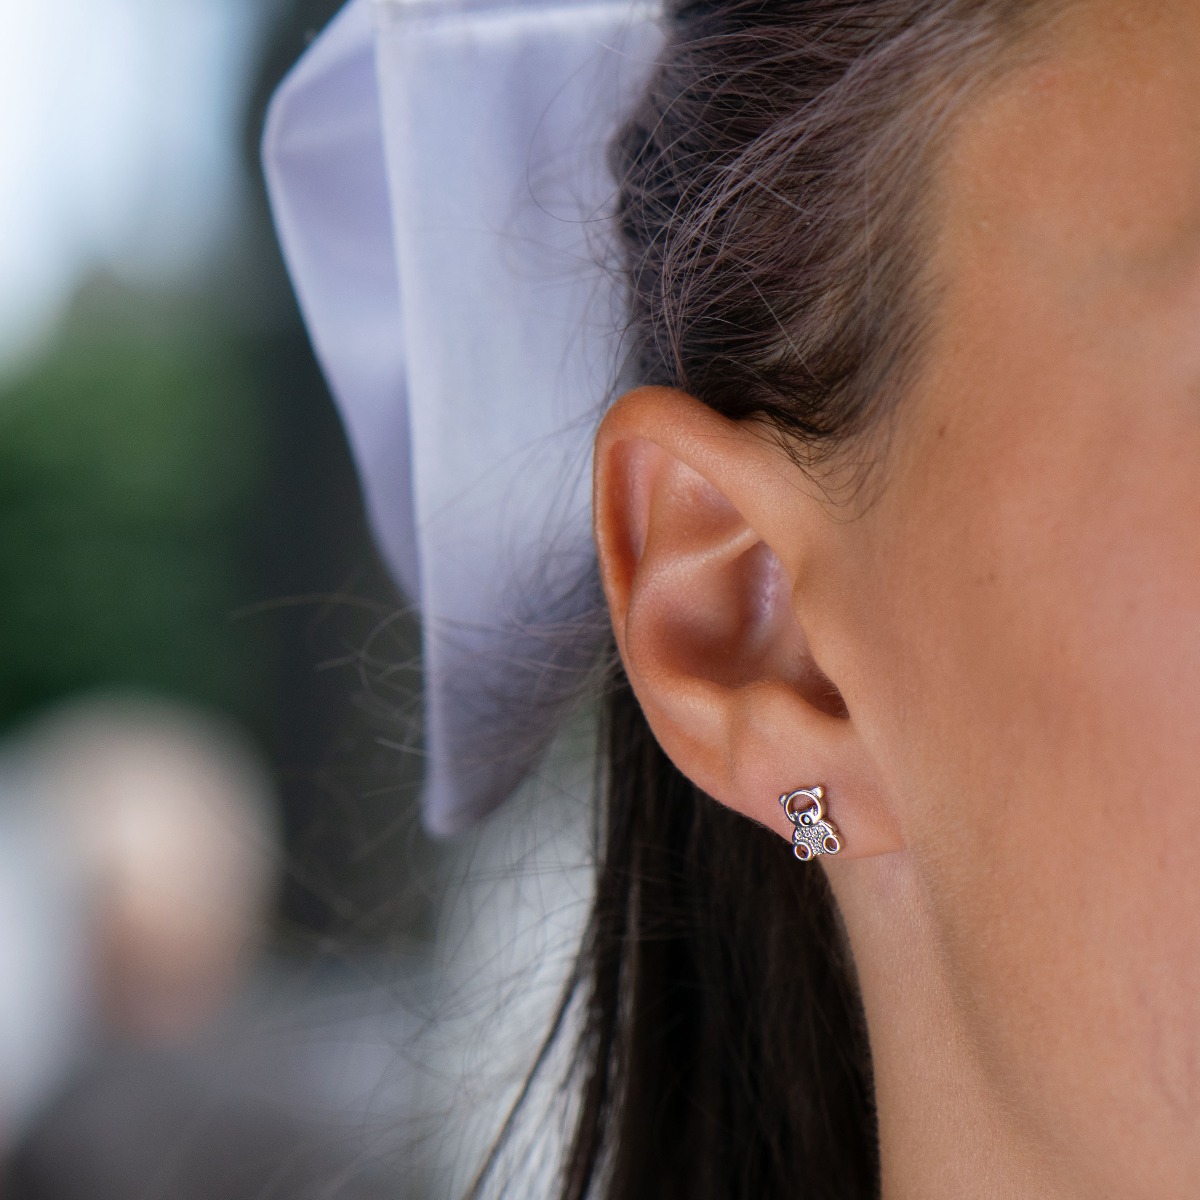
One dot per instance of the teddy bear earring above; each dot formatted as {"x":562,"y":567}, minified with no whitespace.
{"x":812,"y":834}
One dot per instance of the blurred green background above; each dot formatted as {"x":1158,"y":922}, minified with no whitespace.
{"x":178,"y":514}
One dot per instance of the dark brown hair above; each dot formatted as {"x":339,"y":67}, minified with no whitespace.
{"x":775,"y":207}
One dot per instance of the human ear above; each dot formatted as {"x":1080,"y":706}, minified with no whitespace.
{"x":705,"y":530}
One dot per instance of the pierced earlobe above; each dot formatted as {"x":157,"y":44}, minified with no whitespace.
{"x":812,"y":833}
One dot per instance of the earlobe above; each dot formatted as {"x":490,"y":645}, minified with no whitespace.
{"x":689,"y":511}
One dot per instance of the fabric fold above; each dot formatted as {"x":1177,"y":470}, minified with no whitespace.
{"x":438,"y":175}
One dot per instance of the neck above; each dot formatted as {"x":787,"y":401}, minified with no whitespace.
{"x":945,"y":1132}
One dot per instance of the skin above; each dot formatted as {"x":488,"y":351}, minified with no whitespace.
{"x":1012,"y":629}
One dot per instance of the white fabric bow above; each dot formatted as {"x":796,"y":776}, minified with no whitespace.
{"x":438,"y":177}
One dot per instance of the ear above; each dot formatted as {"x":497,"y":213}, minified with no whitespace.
{"x":707,"y":532}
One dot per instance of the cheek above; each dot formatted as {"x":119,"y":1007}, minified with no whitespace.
{"x":1038,"y":705}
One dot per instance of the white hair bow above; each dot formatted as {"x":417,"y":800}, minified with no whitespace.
{"x":438,"y":177}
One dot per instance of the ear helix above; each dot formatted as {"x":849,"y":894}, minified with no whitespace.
{"x":812,"y":834}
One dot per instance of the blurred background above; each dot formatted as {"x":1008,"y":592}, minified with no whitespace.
{"x":230,"y":962}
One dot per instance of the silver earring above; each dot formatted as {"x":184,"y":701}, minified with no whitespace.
{"x":812,"y":834}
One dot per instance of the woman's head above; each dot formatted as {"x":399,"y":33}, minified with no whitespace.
{"x":951,"y":253}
